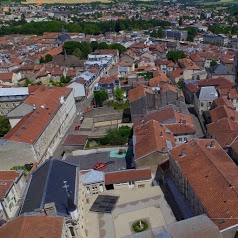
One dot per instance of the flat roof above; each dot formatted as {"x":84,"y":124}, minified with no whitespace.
{"x":4,"y":92}
{"x":75,"y":140}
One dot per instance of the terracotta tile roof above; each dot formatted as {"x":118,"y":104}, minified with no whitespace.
{"x":46,"y":101}
{"x":164,"y":116}
{"x":109,"y":79}
{"x":229,"y":92}
{"x":222,"y":101}
{"x":107,"y":51}
{"x":146,"y":68}
{"x":169,"y":87}
{"x":220,"y":82}
{"x":225,"y":131}
{"x":138,"y":92}
{"x":223,"y":112}
{"x":227,"y":61}
{"x":138,"y":46}
{"x":188,"y":64}
{"x":195,"y":57}
{"x":6,"y":76}
{"x":162,"y":78}
{"x":176,"y":73}
{"x":33,"y":226}
{"x":127,"y":176}
{"x":180,"y":129}
{"x":6,"y":180}
{"x":75,"y":139}
{"x":213,"y":177}
{"x":55,"y":51}
{"x":151,"y":137}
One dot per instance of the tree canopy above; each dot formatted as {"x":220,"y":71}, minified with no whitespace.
{"x":175,"y":55}
{"x":100,"y":97}
{"x":118,"y":94}
{"x":82,"y":49}
{"x":84,"y":27}
{"x":4,"y":126}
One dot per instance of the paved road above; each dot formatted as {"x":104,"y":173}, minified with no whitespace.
{"x":80,"y":107}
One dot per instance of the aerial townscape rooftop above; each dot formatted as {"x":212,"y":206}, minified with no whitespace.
{"x":119,"y":119}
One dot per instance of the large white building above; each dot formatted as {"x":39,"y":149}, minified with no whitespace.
{"x":38,"y":124}
{"x":11,"y":98}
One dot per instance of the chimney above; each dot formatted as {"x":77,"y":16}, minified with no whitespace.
{"x":50,"y":209}
{"x":182,"y":154}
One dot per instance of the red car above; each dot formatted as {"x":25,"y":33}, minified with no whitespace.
{"x":77,"y":128}
{"x":99,"y":165}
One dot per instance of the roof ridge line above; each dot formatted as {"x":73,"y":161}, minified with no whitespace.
{"x":47,"y":181}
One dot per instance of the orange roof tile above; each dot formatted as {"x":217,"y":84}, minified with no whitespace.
{"x":6,"y":180}
{"x":204,"y":162}
{"x":47,"y":102}
{"x":223,"y":112}
{"x":33,"y":226}
{"x":151,"y":137}
{"x":138,"y":92}
{"x":130,"y":175}
{"x":188,"y":64}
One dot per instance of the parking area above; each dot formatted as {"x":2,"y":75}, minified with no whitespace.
{"x":88,"y":161}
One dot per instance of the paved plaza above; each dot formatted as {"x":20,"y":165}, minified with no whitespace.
{"x":133,"y":204}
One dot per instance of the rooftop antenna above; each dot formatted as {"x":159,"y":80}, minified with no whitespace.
{"x":65,"y":186}
{"x":63,"y":30}
{"x":65,"y":54}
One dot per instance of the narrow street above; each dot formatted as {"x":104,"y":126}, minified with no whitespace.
{"x":80,"y":107}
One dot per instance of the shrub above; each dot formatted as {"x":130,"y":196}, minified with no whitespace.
{"x":136,"y":226}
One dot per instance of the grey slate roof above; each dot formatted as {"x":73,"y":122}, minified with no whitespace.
{"x":46,"y":185}
{"x":207,"y":93}
{"x":63,"y":37}
{"x":20,"y":111}
{"x":220,"y":69}
{"x":93,"y":177}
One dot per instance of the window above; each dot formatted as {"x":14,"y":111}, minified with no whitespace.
{"x":180,"y":139}
{"x":8,"y":198}
{"x":185,"y":139}
{"x":10,"y":206}
{"x":94,"y":188}
{"x":202,"y":104}
{"x":71,"y":229}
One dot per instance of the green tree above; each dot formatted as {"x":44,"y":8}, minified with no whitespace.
{"x":78,"y":53}
{"x":175,"y":55}
{"x":213,"y":63}
{"x":86,"y":49}
{"x":103,"y":45}
{"x":118,"y":94}
{"x":192,"y":32}
{"x":48,"y":58}
{"x":94,"y":45}
{"x":42,"y":60}
{"x":180,"y":84}
{"x":64,"y":79}
{"x":4,"y":126}
{"x":70,"y":46}
{"x":118,"y":136}
{"x":100,"y":97}
{"x":28,"y":82}
{"x":116,"y":46}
